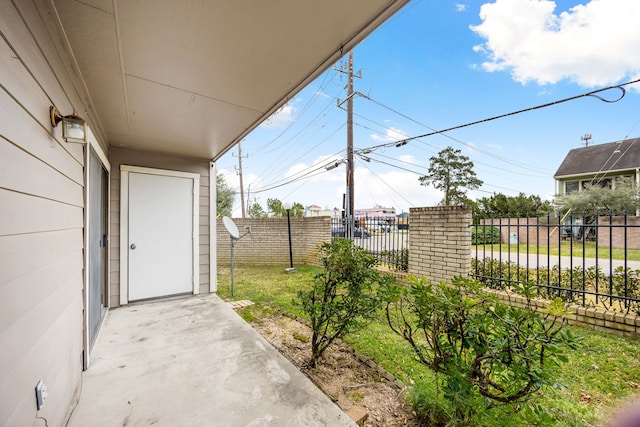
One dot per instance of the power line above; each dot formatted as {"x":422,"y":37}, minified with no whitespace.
{"x":322,"y":114}
{"x":304,"y":110}
{"x":631,"y":130}
{"x":616,"y":150}
{"x":387,"y":184}
{"x":290,"y":181}
{"x":463,"y":143}
{"x":273,"y":169}
{"x":397,"y":167}
{"x":466,"y":144}
{"x":318,"y":116}
{"x":519,"y":173}
{"x":301,"y":174}
{"x":537,"y":107}
{"x":419,"y":173}
{"x":284,"y":163}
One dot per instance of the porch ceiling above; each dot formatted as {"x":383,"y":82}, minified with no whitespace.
{"x":194,"y":77}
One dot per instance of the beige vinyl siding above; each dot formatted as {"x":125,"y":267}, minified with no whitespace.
{"x":41,"y":220}
{"x":123,"y":156}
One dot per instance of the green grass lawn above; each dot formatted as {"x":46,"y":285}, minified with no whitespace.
{"x":599,"y":376}
{"x":566,"y":249}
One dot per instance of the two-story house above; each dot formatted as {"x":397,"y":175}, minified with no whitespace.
{"x":600,"y":164}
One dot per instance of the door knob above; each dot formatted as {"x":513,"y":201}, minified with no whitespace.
{"x":133,"y":246}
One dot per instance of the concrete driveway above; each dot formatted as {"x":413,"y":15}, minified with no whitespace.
{"x":194,"y":362}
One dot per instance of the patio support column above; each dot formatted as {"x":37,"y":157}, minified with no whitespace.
{"x":213,"y":253}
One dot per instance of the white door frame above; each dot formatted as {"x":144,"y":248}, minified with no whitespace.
{"x":124,"y":224}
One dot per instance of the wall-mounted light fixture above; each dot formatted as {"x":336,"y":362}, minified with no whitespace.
{"x":74,"y":128}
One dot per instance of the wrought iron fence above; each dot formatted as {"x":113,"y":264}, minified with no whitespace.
{"x":591,"y":260}
{"x":387,"y":239}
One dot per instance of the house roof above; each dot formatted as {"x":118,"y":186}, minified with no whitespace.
{"x":600,"y":158}
{"x":194,"y":78}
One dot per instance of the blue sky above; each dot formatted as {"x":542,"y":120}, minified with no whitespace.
{"x":439,"y":64}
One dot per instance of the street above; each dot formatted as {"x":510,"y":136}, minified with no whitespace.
{"x":535,"y":260}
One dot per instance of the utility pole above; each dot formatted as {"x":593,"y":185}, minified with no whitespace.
{"x":349,"y":201}
{"x":586,"y":138}
{"x":244,"y":213}
{"x":248,"y":197}
{"x":350,"y":183}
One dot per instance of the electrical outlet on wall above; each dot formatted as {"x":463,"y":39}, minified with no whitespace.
{"x":41,"y":394}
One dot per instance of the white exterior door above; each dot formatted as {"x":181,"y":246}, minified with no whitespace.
{"x":161,"y":237}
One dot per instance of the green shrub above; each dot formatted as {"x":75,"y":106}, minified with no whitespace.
{"x":428,"y":404}
{"x":490,"y":354}
{"x":344,"y":297}
{"x":398,"y":259}
{"x":484,"y":235}
{"x":570,"y":285}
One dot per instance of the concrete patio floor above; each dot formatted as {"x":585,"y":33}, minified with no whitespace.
{"x":194,"y":362}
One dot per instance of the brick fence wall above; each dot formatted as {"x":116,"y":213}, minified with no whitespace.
{"x":440,"y":242}
{"x":598,"y":319}
{"x":617,"y":232}
{"x":529,"y":232}
{"x":268,"y":242}
{"x":526,"y":228}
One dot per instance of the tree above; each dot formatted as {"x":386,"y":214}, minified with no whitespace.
{"x":624,"y":197}
{"x":225,"y":196}
{"x":274,"y":206}
{"x":501,"y":206}
{"x":452,"y":173}
{"x":297,"y":210}
{"x":256,"y":210}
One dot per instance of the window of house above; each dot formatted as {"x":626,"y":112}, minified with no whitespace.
{"x":605,"y":183}
{"x":624,"y":181}
{"x":570,"y":186}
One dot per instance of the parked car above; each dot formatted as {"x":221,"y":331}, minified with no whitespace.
{"x":382,"y":227}
{"x":340,"y":231}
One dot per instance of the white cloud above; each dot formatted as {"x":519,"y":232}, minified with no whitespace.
{"x":280,"y":118}
{"x":592,"y":44}
{"x":322,"y":94}
{"x":303,"y":169}
{"x":392,"y":189}
{"x":461,"y":7}
{"x":296,"y":169}
{"x":408,"y":158}
{"x":391,"y":134}
{"x":469,"y":147}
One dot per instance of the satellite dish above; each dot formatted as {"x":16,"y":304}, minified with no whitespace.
{"x":231,"y":227}
{"x":235,"y":235}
